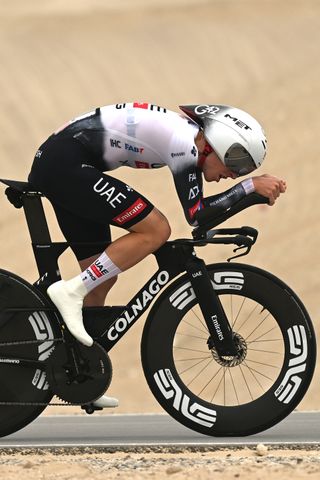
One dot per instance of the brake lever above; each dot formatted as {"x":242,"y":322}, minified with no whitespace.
{"x":247,"y":244}
{"x":247,"y":247}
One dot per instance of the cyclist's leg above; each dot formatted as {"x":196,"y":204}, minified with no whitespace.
{"x":97,"y":296}
{"x":67,"y":176}
{"x":143,"y":238}
{"x":77,"y":230}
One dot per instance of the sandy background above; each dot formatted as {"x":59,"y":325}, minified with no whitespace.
{"x":59,"y":59}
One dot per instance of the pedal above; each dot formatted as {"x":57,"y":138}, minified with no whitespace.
{"x":90,"y":408}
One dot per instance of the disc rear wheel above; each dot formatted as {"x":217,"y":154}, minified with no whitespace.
{"x":24,"y":390}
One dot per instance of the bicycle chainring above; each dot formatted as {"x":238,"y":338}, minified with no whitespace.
{"x":79,"y":374}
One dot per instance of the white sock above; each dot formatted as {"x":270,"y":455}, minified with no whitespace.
{"x":98,"y":272}
{"x":76,"y":285}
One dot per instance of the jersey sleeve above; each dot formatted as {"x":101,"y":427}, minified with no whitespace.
{"x":182,"y":161}
{"x":226,"y":199}
{"x":188,"y":183}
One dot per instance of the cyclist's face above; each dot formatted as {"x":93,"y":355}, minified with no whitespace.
{"x":213,"y":169}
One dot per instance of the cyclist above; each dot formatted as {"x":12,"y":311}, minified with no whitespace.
{"x":217,"y":141}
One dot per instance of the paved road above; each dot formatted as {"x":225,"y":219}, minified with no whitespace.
{"x":124,"y":431}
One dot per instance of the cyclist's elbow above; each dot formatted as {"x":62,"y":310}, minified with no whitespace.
{"x":191,"y":220}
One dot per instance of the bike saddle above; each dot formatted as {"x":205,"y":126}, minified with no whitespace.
{"x":21,"y":187}
{"x":15,"y":190}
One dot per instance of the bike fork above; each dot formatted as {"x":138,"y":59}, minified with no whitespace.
{"x":211,"y":308}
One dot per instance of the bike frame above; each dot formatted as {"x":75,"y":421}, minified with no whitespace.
{"x":173,"y":258}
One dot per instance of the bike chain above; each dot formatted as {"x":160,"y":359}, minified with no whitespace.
{"x":37,"y":404}
{"x":29,"y":342}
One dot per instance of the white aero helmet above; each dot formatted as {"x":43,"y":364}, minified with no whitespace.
{"x":236,"y":137}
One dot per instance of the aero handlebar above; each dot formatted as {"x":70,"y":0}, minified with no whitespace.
{"x":210,"y":217}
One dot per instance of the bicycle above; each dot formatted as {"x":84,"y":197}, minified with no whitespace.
{"x":227,"y":349}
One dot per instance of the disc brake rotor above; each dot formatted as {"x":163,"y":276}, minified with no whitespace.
{"x":232,"y":361}
{"x":80,"y":375}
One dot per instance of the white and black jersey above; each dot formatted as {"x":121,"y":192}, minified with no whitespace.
{"x":72,"y":169}
{"x":142,"y":135}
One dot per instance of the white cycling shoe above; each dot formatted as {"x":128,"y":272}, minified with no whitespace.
{"x":106,"y":402}
{"x":68,"y":298}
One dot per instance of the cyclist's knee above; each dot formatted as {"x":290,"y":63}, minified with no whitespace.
{"x":155,"y":228}
{"x":161,"y":226}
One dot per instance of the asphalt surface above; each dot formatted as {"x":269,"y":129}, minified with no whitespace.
{"x":123,"y":431}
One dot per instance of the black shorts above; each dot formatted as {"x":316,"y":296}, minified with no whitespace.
{"x":86,"y":201}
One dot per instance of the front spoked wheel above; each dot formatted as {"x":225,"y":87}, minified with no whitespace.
{"x":230,"y":396}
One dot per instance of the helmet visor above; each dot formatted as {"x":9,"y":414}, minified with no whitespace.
{"x":239,"y":161}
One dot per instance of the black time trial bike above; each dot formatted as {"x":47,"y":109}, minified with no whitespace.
{"x":227,"y":349}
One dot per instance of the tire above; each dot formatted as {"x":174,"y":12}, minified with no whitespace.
{"x":219,"y":396}
{"x":20,"y":383}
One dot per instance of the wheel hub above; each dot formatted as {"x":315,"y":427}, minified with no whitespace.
{"x":232,"y":361}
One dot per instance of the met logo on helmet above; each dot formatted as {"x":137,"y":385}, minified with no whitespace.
{"x":238,"y":122}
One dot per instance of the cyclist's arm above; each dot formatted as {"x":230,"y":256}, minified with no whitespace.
{"x":188,"y":183}
{"x":226,"y":199}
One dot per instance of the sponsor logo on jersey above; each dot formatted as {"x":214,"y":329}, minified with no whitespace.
{"x":137,"y":207}
{"x":139,"y":164}
{"x":115,"y":143}
{"x":193,"y":192}
{"x":134,"y":149}
{"x":141,"y":105}
{"x":104,"y":189}
{"x":84,"y":165}
{"x":178,"y":154}
{"x":194,"y":151}
{"x":38,"y":154}
{"x":194,"y":209}
{"x":142,"y":164}
{"x":157,"y":165}
{"x":144,"y":106}
{"x":96,"y":270}
{"x":149,"y":106}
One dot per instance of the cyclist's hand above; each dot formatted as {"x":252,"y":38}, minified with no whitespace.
{"x":269,"y":186}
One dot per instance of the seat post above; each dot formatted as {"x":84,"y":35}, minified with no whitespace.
{"x":35,"y":216}
{"x":45,"y":251}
